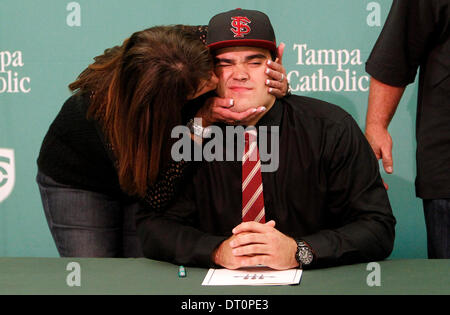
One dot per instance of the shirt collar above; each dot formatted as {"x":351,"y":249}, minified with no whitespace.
{"x":273,"y":116}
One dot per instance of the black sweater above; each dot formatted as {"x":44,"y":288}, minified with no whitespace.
{"x":75,"y":153}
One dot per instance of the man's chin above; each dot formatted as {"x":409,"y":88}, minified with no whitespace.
{"x":241,"y":105}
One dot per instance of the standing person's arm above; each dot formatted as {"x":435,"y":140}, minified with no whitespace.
{"x":383,"y":102}
{"x":392,"y":65}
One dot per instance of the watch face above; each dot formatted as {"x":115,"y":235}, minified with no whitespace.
{"x":305,"y":255}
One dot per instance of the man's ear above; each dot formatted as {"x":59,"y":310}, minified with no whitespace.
{"x":279,"y":53}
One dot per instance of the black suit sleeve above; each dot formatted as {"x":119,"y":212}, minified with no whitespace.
{"x":357,"y":204}
{"x":173,"y":235}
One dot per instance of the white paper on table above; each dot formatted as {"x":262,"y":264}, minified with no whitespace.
{"x":252,"y":276}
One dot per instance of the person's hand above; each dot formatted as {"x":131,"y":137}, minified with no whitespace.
{"x":254,"y":244}
{"x":381,"y":142}
{"x":277,"y":82}
{"x":218,"y":109}
{"x":223,"y":255}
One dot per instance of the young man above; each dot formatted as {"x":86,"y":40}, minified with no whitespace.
{"x":323,"y":205}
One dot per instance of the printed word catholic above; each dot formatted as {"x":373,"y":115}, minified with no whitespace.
{"x":10,"y":79}
{"x":344,"y":80}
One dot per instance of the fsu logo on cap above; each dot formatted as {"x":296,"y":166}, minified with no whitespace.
{"x":240,"y":26}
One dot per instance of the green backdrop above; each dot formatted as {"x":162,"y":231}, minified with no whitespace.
{"x":45,"y":44}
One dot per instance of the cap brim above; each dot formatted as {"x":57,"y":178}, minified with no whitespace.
{"x":244,"y":42}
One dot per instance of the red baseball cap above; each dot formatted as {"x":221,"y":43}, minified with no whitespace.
{"x":241,"y":28}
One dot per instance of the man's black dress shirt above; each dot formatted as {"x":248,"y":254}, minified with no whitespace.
{"x":327,"y":191}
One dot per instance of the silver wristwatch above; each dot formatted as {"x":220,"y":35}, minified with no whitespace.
{"x":304,"y":254}
{"x":198,"y":130}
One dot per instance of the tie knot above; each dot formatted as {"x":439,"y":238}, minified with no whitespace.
{"x":250,"y":135}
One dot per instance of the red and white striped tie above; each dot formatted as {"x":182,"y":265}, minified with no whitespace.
{"x":252,"y":189}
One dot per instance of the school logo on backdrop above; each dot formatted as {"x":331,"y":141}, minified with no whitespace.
{"x":336,"y":70}
{"x":240,"y":26}
{"x":7,"y":173}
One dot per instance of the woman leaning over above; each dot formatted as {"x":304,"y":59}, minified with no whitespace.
{"x":107,"y":152}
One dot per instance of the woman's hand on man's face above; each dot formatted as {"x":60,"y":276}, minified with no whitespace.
{"x":218,"y":109}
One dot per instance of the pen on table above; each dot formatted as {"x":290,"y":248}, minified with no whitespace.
{"x":181,"y":272}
